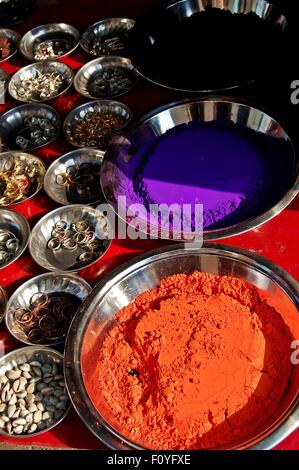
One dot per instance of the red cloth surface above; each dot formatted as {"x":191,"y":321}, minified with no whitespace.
{"x":277,"y":240}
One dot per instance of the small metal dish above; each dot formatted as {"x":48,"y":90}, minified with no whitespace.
{"x":12,"y":123}
{"x":14,"y":39}
{"x":104,"y":29}
{"x":44,"y":66}
{"x":64,"y":259}
{"x":4,"y":79}
{"x":59,"y":193}
{"x":18,"y":225}
{"x":64,"y":33}
{"x":3,"y":302}
{"x":24,"y":158}
{"x":27,"y":354}
{"x":47,"y":283}
{"x":100,"y":106}
{"x":84,"y":81}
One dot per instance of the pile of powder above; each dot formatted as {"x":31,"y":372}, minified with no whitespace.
{"x":200,"y":361}
{"x":233,"y":171}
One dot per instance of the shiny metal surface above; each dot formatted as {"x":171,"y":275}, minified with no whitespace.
{"x":99,"y":106}
{"x":104,"y":28}
{"x":26,"y":158}
{"x":49,"y":31}
{"x":76,"y":157}
{"x":18,"y":225}
{"x":3,"y":302}
{"x":14,"y":37}
{"x":30,"y":353}
{"x":84,"y":78}
{"x":116,"y":182}
{"x":47,"y":283}
{"x":12,"y":122}
{"x":64,"y":260}
{"x":44,"y":66}
{"x":122,"y":286}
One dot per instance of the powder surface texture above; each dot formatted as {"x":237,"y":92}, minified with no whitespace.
{"x":200,"y":361}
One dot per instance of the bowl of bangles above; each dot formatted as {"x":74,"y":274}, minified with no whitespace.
{"x":14,"y":236}
{"x":21,"y":177}
{"x":40,"y":311}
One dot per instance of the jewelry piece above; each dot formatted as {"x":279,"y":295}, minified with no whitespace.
{"x":54,"y":244}
{"x":39,"y":299}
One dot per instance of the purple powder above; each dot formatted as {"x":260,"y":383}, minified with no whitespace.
{"x":233,"y":171}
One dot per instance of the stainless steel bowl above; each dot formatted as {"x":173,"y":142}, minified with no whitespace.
{"x":12,"y":123}
{"x":23,"y":158}
{"x":85,"y":77}
{"x":66,"y":260}
{"x":122,"y":155}
{"x":103,"y":29}
{"x":100,"y":106}
{"x":14,"y":38}
{"x":18,"y":225}
{"x":44,"y":66}
{"x":48,"y":283}
{"x":75,"y":158}
{"x":63,"y":32}
{"x":18,"y":357}
{"x":3,"y":302}
{"x":122,"y":286}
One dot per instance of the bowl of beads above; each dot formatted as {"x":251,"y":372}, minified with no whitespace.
{"x":29,"y":126}
{"x":40,"y":311}
{"x":70,"y":238}
{"x":14,"y":236}
{"x":41,"y":81}
{"x":74,"y":178}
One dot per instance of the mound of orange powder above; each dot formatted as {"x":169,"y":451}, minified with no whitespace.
{"x":200,"y":361}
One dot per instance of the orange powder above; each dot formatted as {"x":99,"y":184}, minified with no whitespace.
{"x":200,"y":361}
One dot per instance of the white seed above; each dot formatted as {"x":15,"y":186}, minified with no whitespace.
{"x":8,"y":428}
{"x":24,"y":413}
{"x":19,"y":384}
{"x":25,"y":367}
{"x":31,"y":388}
{"x":21,"y":402}
{"x":5,"y":396}
{"x":37,"y":416}
{"x":47,"y":415}
{"x":2,"y":423}
{"x":13,"y":400}
{"x":16,"y":414}
{"x":13,"y":374}
{"x":18,"y":421}
{"x":30,"y":398}
{"x":29,"y":418}
{"x":11,"y":410}
{"x":40,"y":406}
{"x":35,"y":380}
{"x":2,"y":407}
{"x":4,"y":418}
{"x":18,"y":430}
{"x":32,"y":428}
{"x":32,"y":408}
{"x":3,"y":380}
{"x":22,"y":394}
{"x":27,"y":375}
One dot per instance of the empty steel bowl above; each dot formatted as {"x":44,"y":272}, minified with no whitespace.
{"x":31,"y":71}
{"x":14,"y":39}
{"x":4,"y":79}
{"x":62,"y":259}
{"x":101,"y":106}
{"x":12,"y":123}
{"x":86,"y":78}
{"x":60,"y":193}
{"x":15,"y":223}
{"x":64,"y":34}
{"x":48,"y":283}
{"x":25,"y":355}
{"x":9,"y":159}
{"x":121,"y":287}
{"x":104,"y":29}
{"x":3,"y":302}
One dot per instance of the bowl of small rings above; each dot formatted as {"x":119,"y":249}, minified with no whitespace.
{"x":21,"y":177}
{"x":41,"y":81}
{"x":41,"y":310}
{"x":70,"y":238}
{"x":14,"y":236}
{"x":74,"y":178}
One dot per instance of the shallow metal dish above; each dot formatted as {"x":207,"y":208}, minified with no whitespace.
{"x":50,"y":31}
{"x":147,"y":32}
{"x":12,"y":122}
{"x":48,"y":283}
{"x":44,"y":66}
{"x":104,"y":28}
{"x":100,"y":106}
{"x":8,"y":157}
{"x":3,"y":302}
{"x":65,"y":260}
{"x":14,"y":37}
{"x":122,"y":286}
{"x":18,"y":225}
{"x":76,"y":157}
{"x":119,"y":161}
{"x":30,"y":353}
{"x":85,"y":77}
